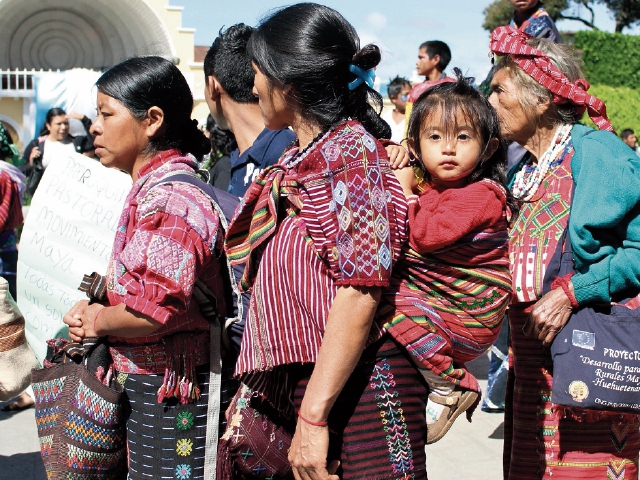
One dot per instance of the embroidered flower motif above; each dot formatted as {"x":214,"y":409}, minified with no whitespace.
{"x":184,"y":447}
{"x":183,"y":472}
{"x":184,"y":420}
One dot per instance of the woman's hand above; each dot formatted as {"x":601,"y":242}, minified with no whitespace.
{"x":549,"y":315}
{"x":407,"y":180}
{"x":398,"y":156}
{"x":80,"y":320}
{"x":35,"y":153}
{"x":308,"y":453}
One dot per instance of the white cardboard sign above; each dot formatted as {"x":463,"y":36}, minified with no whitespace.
{"x":68,"y":232}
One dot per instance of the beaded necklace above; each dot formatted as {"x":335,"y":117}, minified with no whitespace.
{"x":529,"y":178}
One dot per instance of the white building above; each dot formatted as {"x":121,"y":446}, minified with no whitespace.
{"x":51,"y":35}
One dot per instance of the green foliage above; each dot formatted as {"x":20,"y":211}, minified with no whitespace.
{"x":626,"y":12}
{"x":623,"y":106}
{"x":610,"y":58}
{"x":496,"y":14}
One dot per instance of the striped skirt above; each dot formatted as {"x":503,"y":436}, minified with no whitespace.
{"x":377,"y":425}
{"x":540,"y":443}
{"x":165,"y":440}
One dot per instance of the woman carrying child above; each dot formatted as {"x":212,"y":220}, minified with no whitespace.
{"x":452,"y":286}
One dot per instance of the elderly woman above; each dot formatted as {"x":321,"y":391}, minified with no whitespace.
{"x":320,"y":233}
{"x":540,"y":96}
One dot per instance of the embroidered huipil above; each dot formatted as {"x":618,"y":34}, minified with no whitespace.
{"x":536,"y":232}
{"x":167,"y":237}
{"x":341,"y":221}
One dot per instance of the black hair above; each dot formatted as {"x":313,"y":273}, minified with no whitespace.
{"x":223,"y":142}
{"x":395,"y":86}
{"x":309,"y":48}
{"x":52,"y":112}
{"x":437,"y":47}
{"x":140,"y":83}
{"x":448,"y":99}
{"x":229,"y":62}
{"x":626,"y":132}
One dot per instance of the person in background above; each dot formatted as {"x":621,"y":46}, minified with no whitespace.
{"x":229,"y":95}
{"x":169,"y":236}
{"x":54,"y":139}
{"x":398,"y":91}
{"x":628,"y":136}
{"x":530,"y":17}
{"x":11,"y":191}
{"x":218,"y":162}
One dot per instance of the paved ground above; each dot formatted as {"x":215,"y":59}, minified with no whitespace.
{"x":470,"y":451}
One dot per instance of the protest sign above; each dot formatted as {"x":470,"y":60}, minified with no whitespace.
{"x":68,"y":232}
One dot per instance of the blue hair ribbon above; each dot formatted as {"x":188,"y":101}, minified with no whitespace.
{"x":363,"y":76}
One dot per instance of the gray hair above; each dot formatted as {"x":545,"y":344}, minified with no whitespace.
{"x":564,"y":59}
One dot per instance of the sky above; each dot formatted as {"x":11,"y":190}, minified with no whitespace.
{"x":397,"y":28}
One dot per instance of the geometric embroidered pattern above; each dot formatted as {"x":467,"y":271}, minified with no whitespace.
{"x":171,"y":260}
{"x":88,"y":433}
{"x":47,"y":417}
{"x":46,"y":444}
{"x":80,"y":459}
{"x":183,"y":472}
{"x":184,"y":447}
{"x":184,"y":420}
{"x":393,"y":421}
{"x":48,"y":391}
{"x":96,"y":407}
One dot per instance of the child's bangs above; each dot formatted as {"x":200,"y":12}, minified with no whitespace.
{"x":447,"y":109}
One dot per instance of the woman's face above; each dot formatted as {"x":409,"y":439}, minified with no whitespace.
{"x":120,"y":138}
{"x":515,"y":124}
{"x":58,"y":128}
{"x":272,"y":100}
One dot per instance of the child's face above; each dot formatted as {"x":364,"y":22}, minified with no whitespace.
{"x":426,"y":64}
{"x":450,"y":155}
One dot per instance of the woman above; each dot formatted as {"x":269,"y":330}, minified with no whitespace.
{"x":320,"y":232}
{"x":168,"y":237}
{"x":540,"y":96}
{"x":11,"y":191}
{"x":54,"y":138}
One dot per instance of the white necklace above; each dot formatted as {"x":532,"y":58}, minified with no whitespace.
{"x":527,"y":181}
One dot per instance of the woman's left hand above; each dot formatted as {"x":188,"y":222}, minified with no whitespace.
{"x":549,"y":315}
{"x":308,"y":453}
{"x":80,"y":320}
{"x":398,"y":156}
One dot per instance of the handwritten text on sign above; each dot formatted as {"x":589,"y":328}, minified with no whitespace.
{"x":68,"y":232}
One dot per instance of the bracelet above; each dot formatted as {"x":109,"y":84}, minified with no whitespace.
{"x":96,"y":318}
{"x":563,"y":282}
{"x":315,"y":424}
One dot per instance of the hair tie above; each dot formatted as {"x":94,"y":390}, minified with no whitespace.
{"x":363,"y":76}
{"x":510,"y":41}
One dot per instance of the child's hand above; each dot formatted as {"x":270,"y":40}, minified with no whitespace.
{"x":407,"y":179}
{"x":398,"y":156}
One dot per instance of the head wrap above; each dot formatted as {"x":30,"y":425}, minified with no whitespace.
{"x":509,"y":41}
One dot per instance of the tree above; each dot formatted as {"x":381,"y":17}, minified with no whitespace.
{"x":625,"y":12}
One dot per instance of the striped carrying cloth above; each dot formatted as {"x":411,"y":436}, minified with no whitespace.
{"x":446,"y":315}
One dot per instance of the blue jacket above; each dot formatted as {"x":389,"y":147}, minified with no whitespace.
{"x":265,"y":151}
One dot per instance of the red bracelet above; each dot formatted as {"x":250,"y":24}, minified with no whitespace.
{"x":96,"y":318}
{"x":315,"y":424}
{"x":563,"y":282}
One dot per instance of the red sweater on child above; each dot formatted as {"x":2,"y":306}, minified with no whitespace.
{"x":445,"y":220}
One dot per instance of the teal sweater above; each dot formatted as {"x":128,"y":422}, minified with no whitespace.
{"x":604,"y":225}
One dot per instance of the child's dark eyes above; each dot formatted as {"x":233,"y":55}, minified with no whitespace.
{"x":463,"y":136}
{"x":434,"y":136}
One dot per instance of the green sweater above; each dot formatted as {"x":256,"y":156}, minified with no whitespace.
{"x":605,"y":216}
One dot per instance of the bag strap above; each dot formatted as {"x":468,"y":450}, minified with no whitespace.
{"x":207,"y":303}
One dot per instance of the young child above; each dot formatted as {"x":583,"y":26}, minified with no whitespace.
{"x":453,"y":285}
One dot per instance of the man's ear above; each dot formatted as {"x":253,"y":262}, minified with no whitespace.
{"x":213,"y":88}
{"x":155,"y":122}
